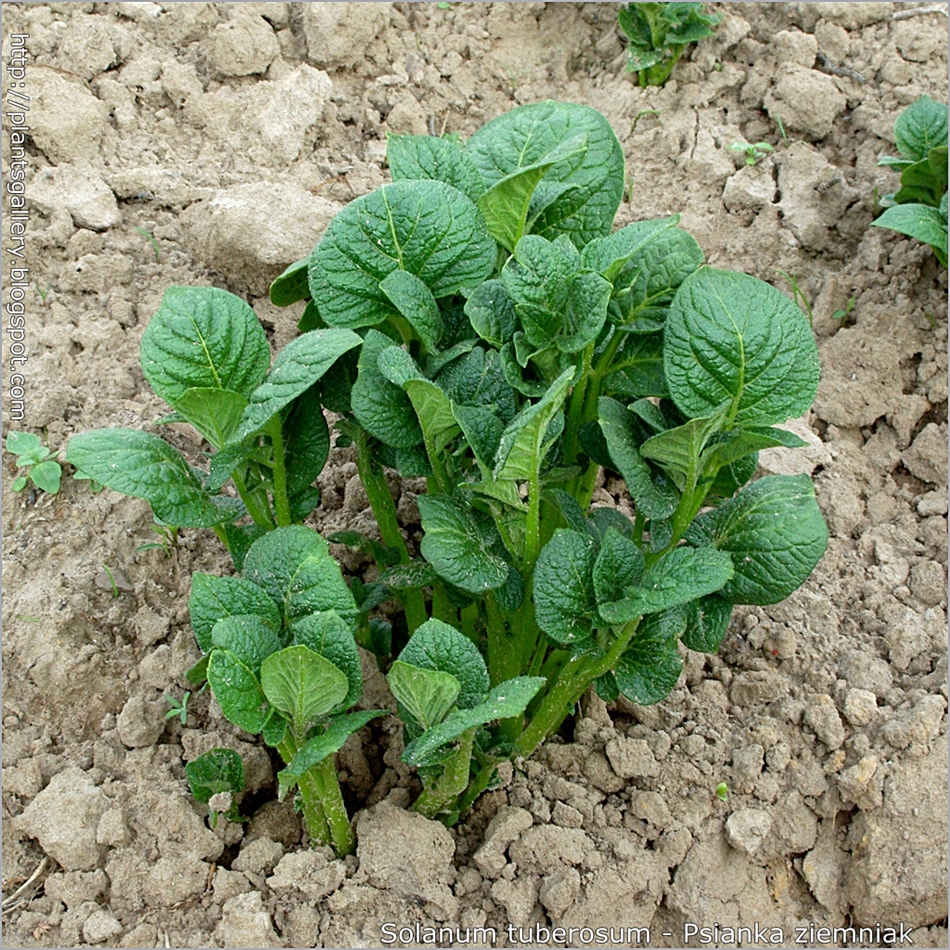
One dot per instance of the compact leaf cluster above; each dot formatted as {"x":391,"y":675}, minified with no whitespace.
{"x":658,"y":34}
{"x":36,"y":460}
{"x":919,"y":208}
{"x":478,"y":322}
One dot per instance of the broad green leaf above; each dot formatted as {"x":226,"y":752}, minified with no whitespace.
{"x":291,"y":286}
{"x":617,"y":423}
{"x":563,"y":587}
{"x":707,"y":620}
{"x":492,"y":312}
{"x":407,"y":576}
{"x":202,"y":337}
{"x":428,"y":695}
{"x":327,"y":634}
{"x":775,"y":533}
{"x":248,"y":637}
{"x":508,"y":699}
{"x":238,"y":691}
{"x":275,"y":729}
{"x":306,"y":441}
{"x":678,"y":577}
{"x":742,"y":442}
{"x":568,"y":507}
{"x":382,"y":408}
{"x":609,"y":255}
{"x":651,"y":665}
{"x":478,"y":379}
{"x":526,"y":136}
{"x":678,"y":451}
{"x":482,"y":430}
{"x":506,"y":204}
{"x":455,"y":545}
{"x":921,"y":127}
{"x":619,"y":565}
{"x":441,"y":159}
{"x":239,"y":539}
{"x":213,"y":772}
{"x":302,"y":685}
{"x":224,"y":463}
{"x":427,"y":228}
{"x":142,"y":465}
{"x":297,"y":367}
{"x":214,"y":598}
{"x":638,"y":368}
{"x":921,"y":222}
{"x":26,"y":445}
{"x":215,"y":413}
{"x":922,"y":182}
{"x":413,"y":299}
{"x":324,"y":744}
{"x":294,"y":567}
{"x":46,"y":476}
{"x":437,"y":646}
{"x":525,"y":441}
{"x":735,"y":340}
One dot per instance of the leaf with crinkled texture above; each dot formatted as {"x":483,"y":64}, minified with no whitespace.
{"x":638,"y":368}
{"x":410,"y":296}
{"x":238,"y":691}
{"x":678,"y":577}
{"x":294,"y":567}
{"x":656,"y":501}
{"x":774,"y":531}
{"x":619,"y":565}
{"x":297,"y":367}
{"x":438,"y":646}
{"x":508,"y":699}
{"x":407,"y":576}
{"x":142,"y":465}
{"x":248,"y":637}
{"x":528,"y":135}
{"x":426,"y":694}
{"x":213,"y":772}
{"x":327,"y":634}
{"x":381,"y":407}
{"x":302,"y":685}
{"x":427,"y":228}
{"x":455,"y":546}
{"x":563,"y":587}
{"x":739,"y":443}
{"x":414,"y":157}
{"x":608,"y":255}
{"x":707,"y":621}
{"x":291,"y":286}
{"x":202,"y":337}
{"x":214,"y":598}
{"x":731,"y":339}
{"x":492,"y":312}
{"x":921,"y":127}
{"x":478,"y":379}
{"x":651,"y":665}
{"x":678,"y":451}
{"x":215,"y":413}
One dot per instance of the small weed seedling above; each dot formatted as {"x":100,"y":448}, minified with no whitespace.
{"x":40,"y":468}
{"x":156,"y":248}
{"x":659,"y":33}
{"x":846,"y":312}
{"x":798,"y":295}
{"x":919,"y":208}
{"x":168,"y":539}
{"x":722,"y":791}
{"x":179,"y":707}
{"x":752,"y":152}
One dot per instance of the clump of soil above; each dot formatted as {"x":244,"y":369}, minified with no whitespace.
{"x":208,"y":143}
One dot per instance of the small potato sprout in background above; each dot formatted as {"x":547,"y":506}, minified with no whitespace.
{"x":752,"y":152}
{"x":43,"y":471}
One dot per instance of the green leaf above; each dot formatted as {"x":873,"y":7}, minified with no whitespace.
{"x":656,"y":501}
{"x":638,"y":369}
{"x":508,"y":699}
{"x":275,"y":729}
{"x":248,"y":637}
{"x":478,"y":379}
{"x":297,"y":367}
{"x":322,"y":745}
{"x":213,"y":772}
{"x":46,"y":476}
{"x":921,"y":127}
{"x":775,"y":533}
{"x":525,"y":441}
{"x":437,"y":646}
{"x":294,"y":567}
{"x":306,"y":441}
{"x":455,"y":545}
{"x":678,"y":450}
{"x":407,"y":576}
{"x":302,"y":685}
{"x":492,"y":312}
{"x":381,"y":407}
{"x":733,"y":339}
{"x":291,"y":286}
{"x":619,"y":565}
{"x":215,"y":413}
{"x":327,"y":634}
{"x":380,"y":553}
{"x":427,"y":228}
{"x":27,"y":446}
{"x":413,"y":299}
{"x":707,"y":620}
{"x":739,"y":443}
{"x":428,"y":695}
{"x":921,"y":222}
{"x":922,"y":182}
{"x":19,"y":483}
{"x":142,"y":465}
{"x":202,"y":337}
{"x":237,"y":691}
{"x":678,"y":577}
{"x":651,"y":665}
{"x":441,"y":159}
{"x":563,"y":586}
{"x":527,"y":136}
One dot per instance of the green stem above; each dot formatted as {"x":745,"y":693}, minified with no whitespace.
{"x":259,"y":513}
{"x":576,"y":408}
{"x":310,"y":797}
{"x":477,"y":786}
{"x":281,"y":499}
{"x":437,"y":797}
{"x":338,"y":821}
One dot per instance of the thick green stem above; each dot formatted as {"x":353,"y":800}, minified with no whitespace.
{"x":437,"y":798}
{"x":281,"y":499}
{"x":310,"y":798}
{"x":338,"y":821}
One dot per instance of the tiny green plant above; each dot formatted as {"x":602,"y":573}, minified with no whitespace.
{"x":919,"y":208}
{"x":156,"y":248}
{"x":753,"y":151}
{"x":112,"y":582}
{"x":798,"y":295}
{"x":41,"y":292}
{"x":36,"y":461}
{"x":846,"y":312}
{"x":179,"y":707}
{"x":659,"y":33}
{"x":167,"y":539}
{"x":217,"y":776}
{"x":722,"y":791}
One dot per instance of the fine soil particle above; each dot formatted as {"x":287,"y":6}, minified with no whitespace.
{"x":210,"y":143}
